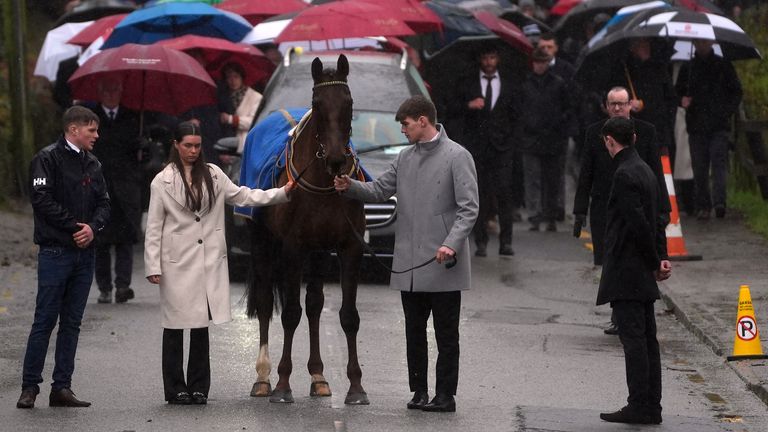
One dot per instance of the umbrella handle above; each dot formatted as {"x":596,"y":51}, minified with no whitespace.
{"x":629,"y":81}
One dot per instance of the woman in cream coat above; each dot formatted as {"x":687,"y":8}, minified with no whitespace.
{"x":185,"y":252}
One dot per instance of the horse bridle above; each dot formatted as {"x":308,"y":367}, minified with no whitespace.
{"x":320,"y":154}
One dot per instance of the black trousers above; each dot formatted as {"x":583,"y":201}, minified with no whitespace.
{"x":445,"y":307}
{"x":495,"y":176}
{"x":198,"y":365}
{"x":123,"y":266}
{"x":637,"y":332}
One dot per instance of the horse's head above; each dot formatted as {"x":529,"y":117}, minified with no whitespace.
{"x":332,"y":111}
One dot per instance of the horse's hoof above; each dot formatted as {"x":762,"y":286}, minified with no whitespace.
{"x":261,"y":389}
{"x":281,"y":396}
{"x":360,"y":398}
{"x":320,"y":388}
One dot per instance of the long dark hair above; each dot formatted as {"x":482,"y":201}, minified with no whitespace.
{"x":200,"y":172}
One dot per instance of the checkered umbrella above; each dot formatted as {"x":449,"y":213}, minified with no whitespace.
{"x":689,"y":25}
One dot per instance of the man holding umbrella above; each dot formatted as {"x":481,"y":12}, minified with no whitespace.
{"x":710,"y":91}
{"x":118,"y":150}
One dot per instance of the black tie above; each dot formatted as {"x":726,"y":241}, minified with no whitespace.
{"x":488,"y":92}
{"x":111,"y":115}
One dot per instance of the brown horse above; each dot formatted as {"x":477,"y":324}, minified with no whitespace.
{"x":316,"y":219}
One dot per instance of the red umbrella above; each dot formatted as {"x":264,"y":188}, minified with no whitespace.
{"x":257,"y":11}
{"x":100,"y":27}
{"x":563,"y":6}
{"x":344,"y":19}
{"x":418,"y":17}
{"x":154,"y":78}
{"x":507,"y":31}
{"x":217,"y":52}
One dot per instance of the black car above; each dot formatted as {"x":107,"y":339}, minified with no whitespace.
{"x":379,"y":83}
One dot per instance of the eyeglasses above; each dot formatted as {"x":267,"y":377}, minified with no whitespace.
{"x":618,"y":104}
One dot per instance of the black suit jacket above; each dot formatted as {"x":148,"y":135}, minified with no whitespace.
{"x":635,"y":242}
{"x":597,"y":169}
{"x":484,"y":129}
{"x":118,"y":149}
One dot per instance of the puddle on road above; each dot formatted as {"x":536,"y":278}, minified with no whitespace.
{"x":715,"y":398}
{"x":696,"y":378}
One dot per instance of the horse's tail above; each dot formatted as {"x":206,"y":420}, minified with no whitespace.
{"x":263,"y":297}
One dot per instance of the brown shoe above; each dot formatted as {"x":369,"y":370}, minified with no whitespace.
{"x":27,"y":398}
{"x":65,"y":398}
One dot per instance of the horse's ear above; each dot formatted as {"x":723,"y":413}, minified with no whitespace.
{"x":317,"y":69}
{"x":342,"y":67}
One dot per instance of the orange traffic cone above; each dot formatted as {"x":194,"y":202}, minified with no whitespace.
{"x":675,"y":242}
{"x":746,"y":344}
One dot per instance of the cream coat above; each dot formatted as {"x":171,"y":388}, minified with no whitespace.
{"x":245,"y":113}
{"x":188,"y":249}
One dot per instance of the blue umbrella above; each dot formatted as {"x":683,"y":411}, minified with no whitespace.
{"x":169,"y":20}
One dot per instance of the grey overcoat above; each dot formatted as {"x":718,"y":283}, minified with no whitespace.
{"x":437,"y":204}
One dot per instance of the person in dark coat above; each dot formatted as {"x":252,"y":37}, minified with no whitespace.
{"x":710,"y":91}
{"x":597,"y":170}
{"x":489,"y":115}
{"x":542,"y":137}
{"x":119,"y":150}
{"x":635,"y":259}
{"x":654,"y":99}
{"x":566,"y":71}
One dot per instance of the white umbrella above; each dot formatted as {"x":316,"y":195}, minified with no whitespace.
{"x":55,"y":49}
{"x":265,"y":32}
{"x":93,"y":49}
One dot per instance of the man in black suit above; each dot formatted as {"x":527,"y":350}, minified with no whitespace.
{"x":597,"y":171}
{"x":635,"y":259}
{"x":489,"y":116}
{"x":118,"y":150}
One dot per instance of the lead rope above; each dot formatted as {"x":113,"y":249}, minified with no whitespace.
{"x":369,"y":249}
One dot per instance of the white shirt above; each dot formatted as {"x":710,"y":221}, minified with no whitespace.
{"x":107,"y":110}
{"x":495,"y":86}
{"x":74,"y":148}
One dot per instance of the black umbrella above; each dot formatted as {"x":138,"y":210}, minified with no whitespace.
{"x":572,"y":24}
{"x":90,"y":10}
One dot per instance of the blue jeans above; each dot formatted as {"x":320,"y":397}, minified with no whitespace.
{"x":64,"y":276}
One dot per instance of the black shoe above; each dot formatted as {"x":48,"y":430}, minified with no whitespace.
{"x":506,"y":250}
{"x":626,"y":415}
{"x":613,"y":329}
{"x":105,"y":297}
{"x":534,"y":227}
{"x":65,"y":398}
{"x":122,"y":295}
{"x":181,"y":398}
{"x":441,"y":403}
{"x":481,"y":251}
{"x":551,"y":227}
{"x":420,"y":398}
{"x":27,"y":398}
{"x":654,"y":416}
{"x":702,"y":215}
{"x":199,"y":398}
{"x":720,"y":212}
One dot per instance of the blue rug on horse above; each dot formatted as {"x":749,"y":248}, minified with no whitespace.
{"x":264,"y":153}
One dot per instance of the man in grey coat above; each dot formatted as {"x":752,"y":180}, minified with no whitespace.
{"x":436,"y":186}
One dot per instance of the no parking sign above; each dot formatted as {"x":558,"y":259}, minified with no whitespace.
{"x":746,"y":344}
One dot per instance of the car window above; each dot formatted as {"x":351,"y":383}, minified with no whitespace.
{"x":373,"y":129}
{"x":375,"y":86}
